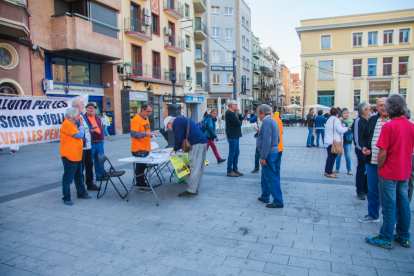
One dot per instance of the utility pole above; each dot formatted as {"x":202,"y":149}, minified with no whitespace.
{"x":234,"y":77}
{"x":277,"y":95}
{"x":304,"y":91}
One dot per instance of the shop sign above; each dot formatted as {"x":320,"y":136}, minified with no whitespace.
{"x":61,"y":89}
{"x":380,"y":85}
{"x":194,"y":99}
{"x":222,"y":68}
{"x":166,"y":98}
{"x":138,"y":96}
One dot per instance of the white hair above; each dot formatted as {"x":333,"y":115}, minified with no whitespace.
{"x":171,"y":120}
{"x":76,"y":103}
{"x":264,"y":108}
{"x":231,"y":102}
{"x":71,"y":112}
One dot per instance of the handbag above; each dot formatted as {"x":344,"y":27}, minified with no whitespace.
{"x":337,"y":147}
{"x":185,"y":145}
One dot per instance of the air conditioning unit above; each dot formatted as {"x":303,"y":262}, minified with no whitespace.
{"x":167,"y":30}
{"x":146,"y":21}
{"x":146,"y":12}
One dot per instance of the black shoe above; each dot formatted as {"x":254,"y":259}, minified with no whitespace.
{"x":313,"y":146}
{"x":360,"y":197}
{"x":271,"y":205}
{"x":221,"y":161}
{"x":255,"y":170}
{"x":262,"y":200}
{"x":308,"y":146}
{"x":93,"y":187}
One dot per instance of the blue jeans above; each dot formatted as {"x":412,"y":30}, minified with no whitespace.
{"x":271,"y":179}
{"x":373,"y":192}
{"x":347,"y":152}
{"x":105,"y":128}
{"x":311,"y":139}
{"x":234,"y":151}
{"x":97,"y":148}
{"x":257,"y":160}
{"x":393,"y":197}
{"x":72,"y":171}
{"x":320,"y":132}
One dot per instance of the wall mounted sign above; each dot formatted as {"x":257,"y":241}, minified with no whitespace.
{"x":138,"y":96}
{"x":222,"y":68}
{"x":166,"y":98}
{"x":60,"y":89}
{"x":380,"y":85}
{"x":108,"y":103}
{"x":194,"y":99}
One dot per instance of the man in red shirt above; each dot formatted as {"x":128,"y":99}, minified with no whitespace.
{"x":396,"y":143}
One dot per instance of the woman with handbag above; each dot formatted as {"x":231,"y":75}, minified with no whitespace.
{"x":333,"y":141}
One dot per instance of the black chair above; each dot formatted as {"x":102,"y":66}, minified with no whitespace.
{"x":108,"y":175}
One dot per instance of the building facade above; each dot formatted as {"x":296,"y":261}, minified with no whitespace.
{"x":295,"y":93}
{"x":357,"y":58}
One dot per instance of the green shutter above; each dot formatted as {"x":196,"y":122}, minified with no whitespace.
{"x":199,"y":78}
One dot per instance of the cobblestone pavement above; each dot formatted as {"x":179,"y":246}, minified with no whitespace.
{"x":225,"y":230}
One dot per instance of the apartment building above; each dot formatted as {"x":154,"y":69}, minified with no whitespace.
{"x":277,"y":94}
{"x":357,"y":58}
{"x":295,"y":93}
{"x":230,"y":30}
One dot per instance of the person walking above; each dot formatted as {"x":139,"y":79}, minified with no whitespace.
{"x":347,"y":141}
{"x":233,"y":132}
{"x":267,"y":143}
{"x":209,"y":126}
{"x":310,"y":118}
{"x":105,"y":124}
{"x":320,"y":122}
{"x":197,"y":154}
{"x":364,"y":113}
{"x":333,"y":131}
{"x":394,"y":162}
{"x":369,"y":139}
{"x":71,"y":154}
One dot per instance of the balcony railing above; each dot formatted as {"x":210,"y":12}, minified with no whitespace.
{"x":273,"y":86}
{"x":173,"y":40}
{"x":199,"y":25}
{"x":153,"y":72}
{"x":136,"y":25}
{"x":200,"y":55}
{"x":175,"y":6}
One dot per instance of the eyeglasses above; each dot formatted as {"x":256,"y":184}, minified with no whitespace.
{"x":148,"y":111}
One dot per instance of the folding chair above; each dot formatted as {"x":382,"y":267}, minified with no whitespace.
{"x":109,"y":174}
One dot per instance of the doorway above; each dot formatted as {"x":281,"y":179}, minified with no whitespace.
{"x":136,"y":24}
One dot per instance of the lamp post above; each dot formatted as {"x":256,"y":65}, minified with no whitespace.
{"x":174,"y":109}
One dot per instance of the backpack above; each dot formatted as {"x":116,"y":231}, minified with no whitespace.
{"x":201,"y":125}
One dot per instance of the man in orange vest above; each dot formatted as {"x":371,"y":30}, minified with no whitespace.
{"x":71,"y":148}
{"x":141,"y":139}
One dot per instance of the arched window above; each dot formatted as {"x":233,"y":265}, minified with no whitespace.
{"x":8,"y":88}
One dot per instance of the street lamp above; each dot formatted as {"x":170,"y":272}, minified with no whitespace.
{"x":128,"y":67}
{"x":174,"y":109}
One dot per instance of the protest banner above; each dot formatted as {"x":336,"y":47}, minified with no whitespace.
{"x":32,"y":120}
{"x":179,"y":166}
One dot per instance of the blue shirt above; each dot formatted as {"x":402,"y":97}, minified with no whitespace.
{"x":196,"y":136}
{"x":81,"y":133}
{"x":320,"y":121}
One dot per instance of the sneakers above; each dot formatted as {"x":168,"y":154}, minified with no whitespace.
{"x":221,"y":161}
{"x":271,"y":205}
{"x":255,"y":170}
{"x":187,"y":194}
{"x":403,"y":243}
{"x":361,"y":197}
{"x":378,"y":241}
{"x":238,"y":173}
{"x":232,"y":174}
{"x":368,"y":219}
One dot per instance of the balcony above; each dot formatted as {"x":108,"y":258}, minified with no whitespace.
{"x":199,"y":5}
{"x":174,"y":8}
{"x":200,"y":60}
{"x":256,"y":69}
{"x":272,"y":86}
{"x":202,"y":86}
{"x":14,"y":18}
{"x":137,"y":29}
{"x":73,"y":36}
{"x":149,"y":73}
{"x":257,"y":54}
{"x":174,"y":43}
{"x":257,"y":85}
{"x":265,"y":85}
{"x":200,"y":30}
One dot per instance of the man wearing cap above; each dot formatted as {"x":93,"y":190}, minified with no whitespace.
{"x":97,"y":137}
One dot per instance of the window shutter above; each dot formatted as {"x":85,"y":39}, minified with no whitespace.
{"x":199,"y":78}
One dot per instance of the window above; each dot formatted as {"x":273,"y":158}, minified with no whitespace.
{"x":247,"y":44}
{"x":155,"y":24}
{"x":229,"y":34}
{"x":136,"y":61}
{"x":59,"y":69}
{"x":215,"y":56}
{"x":403,"y":92}
{"x":357,"y":40}
{"x":228,"y":11}
{"x":357,"y":68}
{"x":404,"y":34}
{"x":387,"y":66}
{"x":199,"y":80}
{"x":247,"y":24}
{"x":326,"y":42}
{"x":326,"y":98}
{"x":5,"y":57}
{"x":326,"y":70}
{"x":188,"y":72}
{"x":215,"y":10}
{"x":248,"y":83}
{"x":76,"y":71}
{"x":248,"y":64}
{"x":402,"y":66}
{"x":215,"y":32}
{"x":187,"y":41}
{"x":357,"y":99}
{"x":372,"y":38}
{"x":243,"y":41}
{"x":216,"y":79}
{"x":244,"y":62}
{"x":243,"y":21}
{"x":388,"y":37}
{"x":229,"y":80}
{"x":187,"y":10}
{"x":229,"y":57}
{"x":372,"y":67}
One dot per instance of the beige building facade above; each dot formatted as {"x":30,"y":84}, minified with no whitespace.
{"x":358,"y":58}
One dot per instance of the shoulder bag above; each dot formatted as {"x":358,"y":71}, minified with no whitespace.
{"x":185,"y":145}
{"x":337,"y":147}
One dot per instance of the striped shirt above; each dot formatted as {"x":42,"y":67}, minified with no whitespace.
{"x":377,"y":132}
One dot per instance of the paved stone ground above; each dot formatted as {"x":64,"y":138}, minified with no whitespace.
{"x":225,"y":230}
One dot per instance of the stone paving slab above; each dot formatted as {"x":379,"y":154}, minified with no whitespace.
{"x":225,"y":230}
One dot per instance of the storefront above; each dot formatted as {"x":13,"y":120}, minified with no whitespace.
{"x":167,"y":100}
{"x":214,"y":104}
{"x":377,"y":90}
{"x":193,"y":108}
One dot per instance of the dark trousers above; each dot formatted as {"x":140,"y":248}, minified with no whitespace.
{"x":330,"y":160}
{"x":72,"y":171}
{"x":140,"y":180}
{"x":257,"y":159}
{"x":411,"y":181}
{"x":87,"y":167}
{"x":361,"y":175}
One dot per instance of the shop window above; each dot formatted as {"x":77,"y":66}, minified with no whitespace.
{"x":387,"y":66}
{"x":59,"y":69}
{"x":357,"y":99}
{"x":372,"y":38}
{"x":372,"y":67}
{"x":357,"y":40}
{"x":376,"y":94}
{"x":326,"y":70}
{"x":404,"y":36}
{"x":326,"y":98}
{"x":388,"y":37}
{"x":78,"y":72}
{"x":402,"y":66}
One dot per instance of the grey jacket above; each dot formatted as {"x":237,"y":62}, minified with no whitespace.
{"x":268,"y":139}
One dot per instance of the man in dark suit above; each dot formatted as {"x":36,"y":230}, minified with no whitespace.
{"x":233,"y":132}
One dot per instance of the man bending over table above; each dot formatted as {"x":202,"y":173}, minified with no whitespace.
{"x":196,"y":155}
